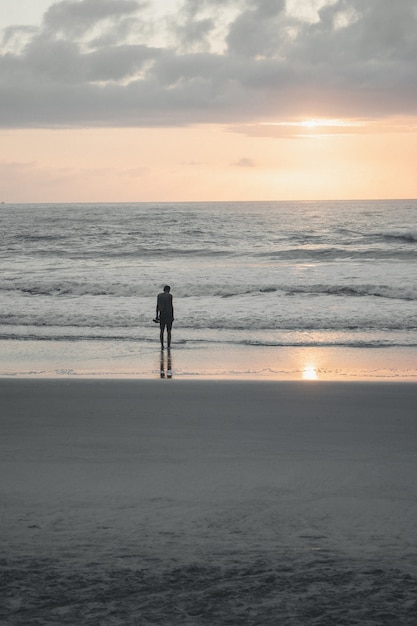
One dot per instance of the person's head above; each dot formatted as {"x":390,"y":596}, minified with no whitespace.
{"x":167,"y":288}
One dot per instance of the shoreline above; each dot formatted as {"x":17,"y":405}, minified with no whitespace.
{"x":145,"y":361}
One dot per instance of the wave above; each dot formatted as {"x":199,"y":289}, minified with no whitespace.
{"x":338,"y":253}
{"x":355,"y":291}
{"x":98,"y":250}
{"x":41,"y":238}
{"x":115,"y":323}
{"x":379,"y":291}
{"x":291,"y":247}
{"x":407,"y":236}
{"x":288,"y":342}
{"x":165,"y":253}
{"x":127,"y":290}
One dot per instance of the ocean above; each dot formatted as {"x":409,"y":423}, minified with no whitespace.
{"x":260,"y":274}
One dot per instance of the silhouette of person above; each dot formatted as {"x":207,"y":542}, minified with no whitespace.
{"x":165,"y":314}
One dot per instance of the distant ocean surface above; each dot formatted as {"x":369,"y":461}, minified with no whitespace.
{"x":251,"y":273}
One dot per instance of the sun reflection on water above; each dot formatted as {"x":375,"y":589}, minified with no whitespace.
{"x":309,"y":372}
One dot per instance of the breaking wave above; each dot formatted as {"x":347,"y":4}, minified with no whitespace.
{"x":71,"y":288}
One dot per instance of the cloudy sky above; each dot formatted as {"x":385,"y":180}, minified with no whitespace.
{"x":131,"y":100}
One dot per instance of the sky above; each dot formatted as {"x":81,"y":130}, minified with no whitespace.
{"x":187,"y":100}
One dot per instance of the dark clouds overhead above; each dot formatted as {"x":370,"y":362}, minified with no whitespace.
{"x":114,"y":63}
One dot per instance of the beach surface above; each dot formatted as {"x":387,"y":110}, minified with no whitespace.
{"x":179,"y":502}
{"x":129,"y":359}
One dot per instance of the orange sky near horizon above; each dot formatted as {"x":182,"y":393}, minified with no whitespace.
{"x":125,"y":101}
{"x":204,"y":162}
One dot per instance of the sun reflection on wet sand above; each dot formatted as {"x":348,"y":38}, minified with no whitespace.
{"x":309,"y":372}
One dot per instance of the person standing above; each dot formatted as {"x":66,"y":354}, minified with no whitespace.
{"x":165,"y":314}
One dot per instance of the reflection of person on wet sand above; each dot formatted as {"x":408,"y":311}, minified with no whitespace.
{"x":169,"y":364}
{"x":165,"y":314}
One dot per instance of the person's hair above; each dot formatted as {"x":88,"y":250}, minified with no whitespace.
{"x":167,"y":288}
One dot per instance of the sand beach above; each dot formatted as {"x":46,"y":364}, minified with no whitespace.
{"x":255,"y":161}
{"x":207,"y":502}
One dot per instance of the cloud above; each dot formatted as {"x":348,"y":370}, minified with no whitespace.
{"x":111,"y":63}
{"x":244,"y":162}
{"x":257,"y":31}
{"x":77,"y":18}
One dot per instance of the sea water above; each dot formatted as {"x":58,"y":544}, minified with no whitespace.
{"x":266,"y":274}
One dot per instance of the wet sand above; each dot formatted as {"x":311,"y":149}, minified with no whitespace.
{"x":207,"y":502}
{"x":124,"y":359}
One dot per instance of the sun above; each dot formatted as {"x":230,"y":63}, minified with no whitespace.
{"x":309,"y":372}
{"x":310,"y":124}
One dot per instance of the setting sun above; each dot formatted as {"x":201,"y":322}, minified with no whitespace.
{"x":311,"y":124}
{"x":309,"y":372}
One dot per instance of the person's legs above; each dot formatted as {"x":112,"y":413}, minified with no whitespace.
{"x":169,"y":326}
{"x":161,"y":334}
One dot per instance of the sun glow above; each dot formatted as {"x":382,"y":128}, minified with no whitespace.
{"x":309,"y":372}
{"x":313,"y":123}
{"x":310,"y":124}
{"x":324,"y":123}
{"x":314,"y":127}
